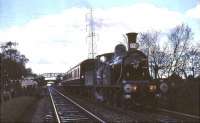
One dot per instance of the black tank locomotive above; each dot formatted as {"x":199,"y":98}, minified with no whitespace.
{"x":115,"y":77}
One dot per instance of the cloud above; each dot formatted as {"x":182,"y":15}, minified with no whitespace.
{"x":56,"y":42}
{"x":193,"y":17}
{"x":194,"y":12}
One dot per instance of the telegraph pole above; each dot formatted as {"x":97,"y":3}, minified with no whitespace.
{"x":91,"y":35}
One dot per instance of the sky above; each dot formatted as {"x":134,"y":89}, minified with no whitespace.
{"x":52,"y":34}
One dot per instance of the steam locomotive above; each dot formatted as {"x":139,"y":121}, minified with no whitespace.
{"x":114,"y":77}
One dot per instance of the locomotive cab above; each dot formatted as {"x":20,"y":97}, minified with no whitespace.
{"x":103,"y":69}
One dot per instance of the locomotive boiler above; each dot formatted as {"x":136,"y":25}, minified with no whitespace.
{"x":115,"y":77}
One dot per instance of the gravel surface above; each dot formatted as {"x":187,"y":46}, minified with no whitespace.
{"x":115,"y":114}
{"x":18,"y":109}
{"x":40,"y":112}
{"x":106,"y":113}
{"x":44,"y":111}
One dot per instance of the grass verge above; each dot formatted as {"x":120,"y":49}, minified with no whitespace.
{"x":15,"y":109}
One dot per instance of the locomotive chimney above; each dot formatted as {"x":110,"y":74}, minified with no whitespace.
{"x":132,"y":45}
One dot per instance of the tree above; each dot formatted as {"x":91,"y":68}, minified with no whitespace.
{"x":41,"y":80}
{"x":12,"y":61}
{"x":12,"y":65}
{"x":59,"y":78}
{"x":149,"y":42}
{"x":159,"y":61}
{"x":191,"y":65}
{"x":179,"y":38}
{"x":173,"y":58}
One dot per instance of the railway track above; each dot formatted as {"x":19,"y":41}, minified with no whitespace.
{"x":67,"y":110}
{"x":138,"y":113}
{"x":143,"y":114}
{"x":165,"y":116}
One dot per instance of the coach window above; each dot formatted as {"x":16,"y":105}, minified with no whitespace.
{"x":78,"y":72}
{"x":75,"y":73}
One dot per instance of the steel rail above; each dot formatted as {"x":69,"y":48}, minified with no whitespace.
{"x":94,"y":116}
{"x":174,"y":112}
{"x":179,"y":113}
{"x":55,"y":109}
